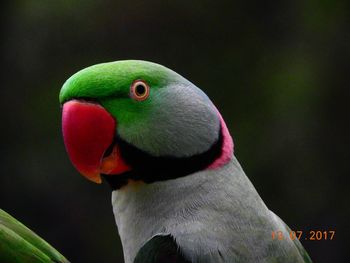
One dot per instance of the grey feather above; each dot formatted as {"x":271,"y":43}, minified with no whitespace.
{"x":214,"y":215}
{"x":183,"y":123}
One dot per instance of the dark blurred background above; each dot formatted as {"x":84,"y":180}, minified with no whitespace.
{"x":278,"y":72}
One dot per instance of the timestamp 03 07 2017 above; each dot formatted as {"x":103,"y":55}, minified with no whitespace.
{"x":314,"y":235}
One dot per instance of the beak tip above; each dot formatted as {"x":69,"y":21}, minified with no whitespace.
{"x":97,"y":180}
{"x":93,"y":177}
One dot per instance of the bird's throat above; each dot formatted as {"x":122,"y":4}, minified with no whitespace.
{"x":148,"y":168}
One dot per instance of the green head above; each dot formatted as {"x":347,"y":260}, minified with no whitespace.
{"x":156,"y":111}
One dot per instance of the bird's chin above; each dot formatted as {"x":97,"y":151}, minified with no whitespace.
{"x":89,"y":132}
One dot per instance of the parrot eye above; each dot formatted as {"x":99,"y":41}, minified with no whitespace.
{"x":139,"y":90}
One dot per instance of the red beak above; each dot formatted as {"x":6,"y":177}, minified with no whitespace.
{"x":88,"y":131}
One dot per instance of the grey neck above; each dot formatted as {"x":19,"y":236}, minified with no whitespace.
{"x":210,"y":214}
{"x":178,"y":206}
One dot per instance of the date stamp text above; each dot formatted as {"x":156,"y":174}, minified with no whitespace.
{"x":315,"y":235}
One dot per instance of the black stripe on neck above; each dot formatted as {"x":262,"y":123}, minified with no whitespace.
{"x":149,"y":168}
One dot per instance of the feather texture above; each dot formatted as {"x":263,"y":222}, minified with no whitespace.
{"x":214,"y":216}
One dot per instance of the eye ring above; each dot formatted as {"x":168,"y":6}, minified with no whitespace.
{"x":139,"y":90}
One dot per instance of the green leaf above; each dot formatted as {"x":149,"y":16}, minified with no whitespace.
{"x":19,"y":244}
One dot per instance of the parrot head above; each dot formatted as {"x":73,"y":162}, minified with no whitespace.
{"x":139,"y":120}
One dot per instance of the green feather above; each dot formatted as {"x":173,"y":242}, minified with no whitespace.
{"x":19,"y":244}
{"x":113,"y":79}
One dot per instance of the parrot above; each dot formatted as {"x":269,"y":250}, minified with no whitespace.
{"x":178,"y":192}
{"x":18,"y":244}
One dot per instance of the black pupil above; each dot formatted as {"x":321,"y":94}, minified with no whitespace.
{"x":140,"y":89}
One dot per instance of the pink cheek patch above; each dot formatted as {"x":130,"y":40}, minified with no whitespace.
{"x":227,"y":146}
